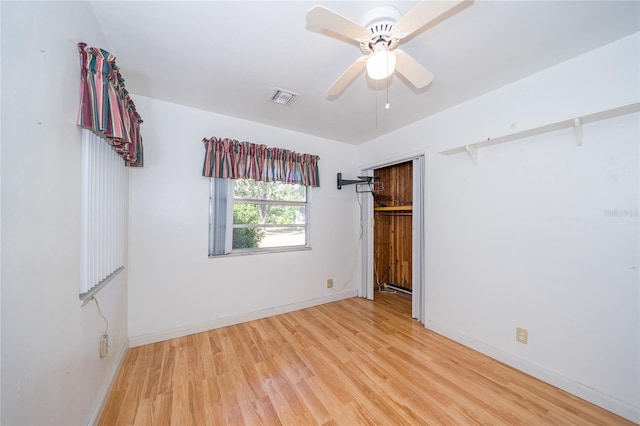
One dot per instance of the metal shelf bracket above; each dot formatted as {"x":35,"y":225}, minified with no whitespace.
{"x":577,"y":125}
{"x":369,"y":181}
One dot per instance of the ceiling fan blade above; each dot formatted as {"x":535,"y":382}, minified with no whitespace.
{"x":422,"y":14}
{"x":322,"y":17}
{"x":347,"y":77}
{"x":412,"y":70}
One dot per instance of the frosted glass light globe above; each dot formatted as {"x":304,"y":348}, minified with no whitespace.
{"x":381,"y":63}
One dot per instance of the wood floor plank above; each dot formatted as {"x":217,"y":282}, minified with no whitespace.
{"x":351,"y":362}
{"x":214,"y":411}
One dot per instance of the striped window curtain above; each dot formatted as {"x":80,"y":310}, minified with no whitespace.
{"x":229,"y":158}
{"x":105,"y":105}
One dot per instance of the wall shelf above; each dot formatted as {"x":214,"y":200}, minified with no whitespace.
{"x":576,"y":123}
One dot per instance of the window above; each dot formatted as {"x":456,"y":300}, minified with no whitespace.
{"x":253,"y":216}
{"x":103,"y":214}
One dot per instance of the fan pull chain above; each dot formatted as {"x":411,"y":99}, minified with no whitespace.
{"x":376,"y":102}
{"x":387,"y":106}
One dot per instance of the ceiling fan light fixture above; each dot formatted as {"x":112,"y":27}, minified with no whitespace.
{"x":381,"y":63}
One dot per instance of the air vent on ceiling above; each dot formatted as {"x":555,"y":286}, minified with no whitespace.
{"x":283,"y":97}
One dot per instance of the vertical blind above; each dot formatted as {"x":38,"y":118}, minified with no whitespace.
{"x":111,"y":134}
{"x":102,"y":212}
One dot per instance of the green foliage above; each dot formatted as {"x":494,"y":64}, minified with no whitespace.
{"x":260,"y":214}
{"x":271,"y":191}
{"x":251,"y":189}
{"x":246,"y":237}
{"x":246,"y":213}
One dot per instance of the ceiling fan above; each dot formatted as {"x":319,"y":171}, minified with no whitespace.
{"x":381,"y":31}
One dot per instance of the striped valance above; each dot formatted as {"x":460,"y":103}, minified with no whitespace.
{"x":228,"y":158}
{"x":105,"y":105}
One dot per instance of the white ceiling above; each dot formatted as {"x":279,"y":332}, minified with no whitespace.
{"x":228,"y":56}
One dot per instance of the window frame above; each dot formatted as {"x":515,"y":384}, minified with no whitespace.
{"x":228,"y":215}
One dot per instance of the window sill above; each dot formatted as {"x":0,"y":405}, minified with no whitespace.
{"x":250,"y":252}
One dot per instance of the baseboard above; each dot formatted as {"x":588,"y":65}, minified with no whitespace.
{"x":578,"y":389}
{"x":106,"y":389}
{"x":145,"y":339}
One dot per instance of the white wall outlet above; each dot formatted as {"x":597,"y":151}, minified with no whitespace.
{"x":329,"y":283}
{"x":522,"y":335}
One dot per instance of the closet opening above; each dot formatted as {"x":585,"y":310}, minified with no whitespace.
{"x":394,"y":241}
{"x":392,"y":229}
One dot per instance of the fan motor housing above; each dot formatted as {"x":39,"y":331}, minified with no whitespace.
{"x":380,"y":22}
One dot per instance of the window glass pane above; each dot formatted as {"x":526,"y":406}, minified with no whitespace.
{"x":247,"y":214}
{"x":275,"y":191}
{"x":278,"y":237}
{"x":247,"y":237}
{"x":268,"y":237}
{"x":265,"y":215}
{"x":271,"y":214}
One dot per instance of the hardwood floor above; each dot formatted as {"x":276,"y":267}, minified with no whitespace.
{"x":345,"y":363}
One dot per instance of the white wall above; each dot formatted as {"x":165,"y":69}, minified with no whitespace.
{"x":542,"y":234}
{"x":174,"y":288}
{"x":51,"y":369}
{"x":0,"y":220}
{"x":523,"y":239}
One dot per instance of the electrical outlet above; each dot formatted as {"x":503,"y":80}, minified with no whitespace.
{"x":329,"y":283}
{"x":522,"y":335}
